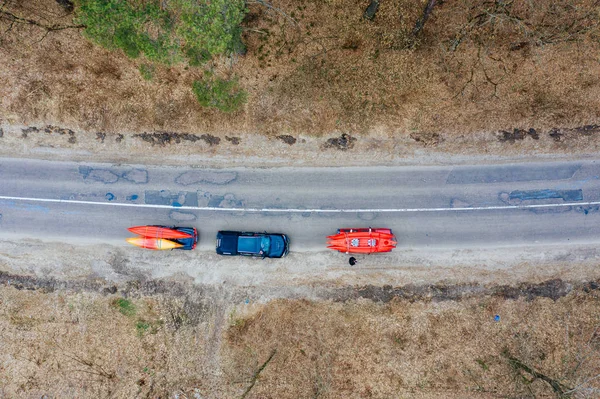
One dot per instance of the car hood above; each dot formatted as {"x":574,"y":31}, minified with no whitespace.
{"x":278,"y":246}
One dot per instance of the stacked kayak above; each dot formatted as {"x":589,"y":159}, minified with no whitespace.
{"x":153,"y":243}
{"x":163,"y":238}
{"x":362,"y":241}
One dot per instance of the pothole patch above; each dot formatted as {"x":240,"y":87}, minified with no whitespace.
{"x":182,"y":216}
{"x":201,"y":176}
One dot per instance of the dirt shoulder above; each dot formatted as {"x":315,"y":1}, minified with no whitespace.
{"x":301,"y":274}
{"x":51,"y":142}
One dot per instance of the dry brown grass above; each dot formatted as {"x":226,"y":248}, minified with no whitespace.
{"x":63,"y":344}
{"x":80,"y":345}
{"x":328,"y":71}
{"x":402,"y":349}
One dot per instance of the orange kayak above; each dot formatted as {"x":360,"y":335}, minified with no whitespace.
{"x":153,"y":243}
{"x":362,"y":241}
{"x":158,"y":232}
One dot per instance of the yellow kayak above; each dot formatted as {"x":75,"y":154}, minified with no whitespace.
{"x":153,"y":243}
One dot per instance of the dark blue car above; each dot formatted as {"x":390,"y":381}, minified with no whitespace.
{"x":263,"y":245}
{"x":188,"y":243}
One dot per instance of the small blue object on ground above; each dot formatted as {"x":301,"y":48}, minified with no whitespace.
{"x":497,"y":317}
{"x":247,"y":301}
{"x":110,"y":196}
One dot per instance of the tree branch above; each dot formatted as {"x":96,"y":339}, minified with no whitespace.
{"x":255,"y":376}
{"x":424,"y":17}
{"x":27,"y":21}
{"x":518,"y":365}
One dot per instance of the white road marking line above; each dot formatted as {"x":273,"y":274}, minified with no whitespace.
{"x":294,"y":210}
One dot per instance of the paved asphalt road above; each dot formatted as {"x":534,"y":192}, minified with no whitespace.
{"x":427,"y":207}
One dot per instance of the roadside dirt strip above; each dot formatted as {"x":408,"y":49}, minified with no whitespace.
{"x":304,"y":274}
{"x":373,"y":148}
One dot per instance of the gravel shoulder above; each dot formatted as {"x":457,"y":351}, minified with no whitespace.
{"x":374,"y":148}
{"x":309,"y":275}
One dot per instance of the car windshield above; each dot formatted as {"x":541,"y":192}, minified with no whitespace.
{"x":265,"y":245}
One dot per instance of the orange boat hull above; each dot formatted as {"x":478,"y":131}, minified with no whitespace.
{"x":158,"y":232}
{"x":153,"y":243}
{"x":362,"y":241}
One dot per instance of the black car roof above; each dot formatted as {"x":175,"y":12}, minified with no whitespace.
{"x":228,"y":242}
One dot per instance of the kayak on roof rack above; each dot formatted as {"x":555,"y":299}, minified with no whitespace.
{"x":158,"y":237}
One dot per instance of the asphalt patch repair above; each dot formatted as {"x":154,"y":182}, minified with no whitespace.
{"x":565,"y":195}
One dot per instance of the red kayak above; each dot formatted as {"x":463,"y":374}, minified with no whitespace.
{"x":164,"y":237}
{"x":158,"y":232}
{"x":362,"y":241}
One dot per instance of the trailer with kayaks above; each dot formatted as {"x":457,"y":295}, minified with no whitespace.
{"x":346,"y":240}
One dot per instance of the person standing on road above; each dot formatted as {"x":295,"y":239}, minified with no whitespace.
{"x":352,"y":261}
